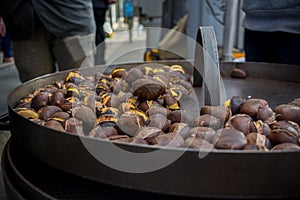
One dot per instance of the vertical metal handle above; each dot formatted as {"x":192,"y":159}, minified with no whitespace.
{"x":207,"y":70}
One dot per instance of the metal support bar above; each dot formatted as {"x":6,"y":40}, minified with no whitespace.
{"x":207,"y":70}
{"x":230,"y":28}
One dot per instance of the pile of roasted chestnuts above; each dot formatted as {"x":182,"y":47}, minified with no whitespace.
{"x":142,"y":105}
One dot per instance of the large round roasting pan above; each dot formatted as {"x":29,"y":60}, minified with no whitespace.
{"x":221,"y":173}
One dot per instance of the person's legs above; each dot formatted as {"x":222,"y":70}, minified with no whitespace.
{"x":286,"y":46}
{"x":7,"y":48}
{"x":33,"y":57}
{"x":99,"y":14}
{"x":257,"y":47}
{"x":74,"y":52}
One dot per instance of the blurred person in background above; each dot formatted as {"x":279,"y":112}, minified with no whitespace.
{"x":100,"y":8}
{"x":272,"y":31}
{"x":128,"y":16}
{"x":50,"y":34}
{"x":5,"y":43}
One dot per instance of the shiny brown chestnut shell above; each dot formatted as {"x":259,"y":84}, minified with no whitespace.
{"x":259,"y":140}
{"x":180,"y":128}
{"x":159,"y":121}
{"x":198,"y":143}
{"x":47,"y":111}
{"x":147,"y":88}
{"x":204,"y":133}
{"x":57,"y":98}
{"x":148,"y":133}
{"x":235,"y":104}
{"x":74,"y":126}
{"x":205,"y":120}
{"x":288,"y":112}
{"x":296,"y":102}
{"x":86,"y":116}
{"x":230,"y":139}
{"x":60,"y":116}
{"x":266,"y":115}
{"x":178,"y":116}
{"x":221,"y":112}
{"x":40,"y":100}
{"x":238,"y":73}
{"x":251,"y":106}
{"x":241,"y":122}
{"x":157,"y":109}
{"x":133,"y":75}
{"x":170,"y":139}
{"x":284,"y":132}
{"x":118,"y":72}
{"x":103,"y":132}
{"x":54,"y":125}
{"x":286,"y":147}
{"x":129,"y":123}
{"x":74,"y":77}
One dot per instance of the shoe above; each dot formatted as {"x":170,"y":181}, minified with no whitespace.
{"x":9,"y":60}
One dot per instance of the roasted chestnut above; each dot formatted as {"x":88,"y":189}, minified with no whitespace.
{"x":231,"y":139}
{"x":86,"y":116}
{"x":180,"y":128}
{"x":221,"y":112}
{"x":198,"y":143}
{"x":74,"y":126}
{"x":288,"y":112}
{"x":54,"y":125}
{"x":159,"y":121}
{"x":204,"y":133}
{"x":286,"y":147}
{"x":40,"y":100}
{"x":205,"y":120}
{"x":103,"y":132}
{"x":149,"y":89}
{"x":178,"y":116}
{"x":235,"y":104}
{"x":133,"y":74}
{"x":251,"y":106}
{"x":259,"y":140}
{"x":284,"y":132}
{"x":170,"y":139}
{"x":241,"y":122}
{"x":47,"y":111}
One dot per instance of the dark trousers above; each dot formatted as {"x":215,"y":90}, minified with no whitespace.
{"x":6,"y":46}
{"x":272,"y":47}
{"x":99,"y":14}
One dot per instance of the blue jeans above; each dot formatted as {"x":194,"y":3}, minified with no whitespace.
{"x":6,"y":46}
